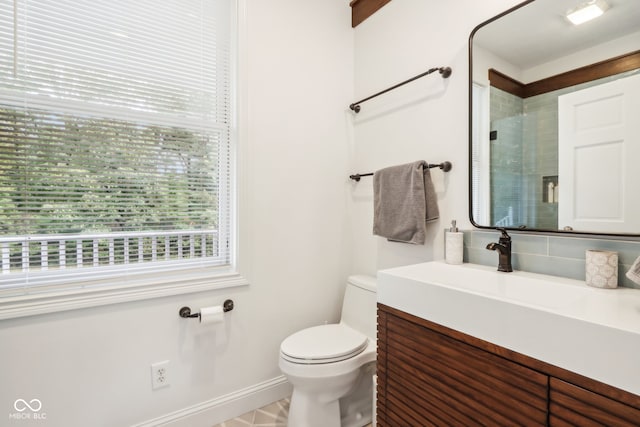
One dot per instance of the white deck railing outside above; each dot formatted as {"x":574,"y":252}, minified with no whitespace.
{"x":43,"y":252}
{"x":507,"y":221}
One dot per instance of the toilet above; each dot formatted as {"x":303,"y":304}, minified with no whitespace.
{"x":331,"y":367}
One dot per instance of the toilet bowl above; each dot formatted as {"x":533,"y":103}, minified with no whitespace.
{"x":331,"y":366}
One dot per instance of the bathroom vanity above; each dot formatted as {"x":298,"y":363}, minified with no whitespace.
{"x":466,"y":345}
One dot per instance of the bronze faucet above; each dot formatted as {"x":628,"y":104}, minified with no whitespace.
{"x":504,"y":251}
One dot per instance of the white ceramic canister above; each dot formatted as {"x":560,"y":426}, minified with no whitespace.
{"x":601,"y":268}
{"x":453,"y":245}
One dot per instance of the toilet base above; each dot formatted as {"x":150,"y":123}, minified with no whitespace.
{"x":356,"y":408}
{"x":305,"y":411}
{"x":309,"y":408}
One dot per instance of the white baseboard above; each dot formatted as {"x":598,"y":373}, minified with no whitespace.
{"x":215,"y":411}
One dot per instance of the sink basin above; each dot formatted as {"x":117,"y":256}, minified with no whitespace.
{"x":590,"y":331}
{"x":521,"y":287}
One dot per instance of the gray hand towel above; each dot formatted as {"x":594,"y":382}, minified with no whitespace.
{"x":403,"y":201}
{"x":634,"y":272}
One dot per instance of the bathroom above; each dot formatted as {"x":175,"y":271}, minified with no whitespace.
{"x":303,"y":225}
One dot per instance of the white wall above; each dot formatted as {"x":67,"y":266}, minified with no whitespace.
{"x":304,"y":225}
{"x":92,"y":366}
{"x":591,"y":55}
{"x":426,"y":119}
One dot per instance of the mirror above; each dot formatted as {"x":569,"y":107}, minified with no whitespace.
{"x":554,"y":112}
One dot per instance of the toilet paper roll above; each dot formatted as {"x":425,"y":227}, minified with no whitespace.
{"x":213,"y":314}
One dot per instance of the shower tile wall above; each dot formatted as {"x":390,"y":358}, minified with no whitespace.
{"x":540,"y":157}
{"x":526,"y":152}
{"x":555,"y":255}
{"x":506,"y":156}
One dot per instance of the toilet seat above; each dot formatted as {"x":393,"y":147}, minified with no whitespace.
{"x":323,"y":344}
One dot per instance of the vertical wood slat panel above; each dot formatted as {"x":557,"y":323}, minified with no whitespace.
{"x":381,"y":369}
{"x":578,"y":406}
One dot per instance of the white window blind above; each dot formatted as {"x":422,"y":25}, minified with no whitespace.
{"x":115,"y":133}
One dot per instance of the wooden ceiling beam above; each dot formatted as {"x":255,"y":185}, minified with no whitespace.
{"x":362,"y":9}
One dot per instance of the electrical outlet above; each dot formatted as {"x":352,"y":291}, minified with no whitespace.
{"x":160,"y":374}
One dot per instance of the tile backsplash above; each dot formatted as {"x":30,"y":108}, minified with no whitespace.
{"x":549,"y":254}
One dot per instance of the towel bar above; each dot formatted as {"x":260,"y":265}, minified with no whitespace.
{"x":445,"y":72}
{"x":445,"y":166}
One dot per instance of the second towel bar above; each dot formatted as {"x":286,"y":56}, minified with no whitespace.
{"x":445,"y":166}
{"x":445,"y":72}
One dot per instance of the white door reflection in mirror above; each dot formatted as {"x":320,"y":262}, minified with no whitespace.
{"x":599,"y":157}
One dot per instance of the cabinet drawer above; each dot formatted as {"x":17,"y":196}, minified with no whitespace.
{"x":432,"y":379}
{"x":570,"y":405}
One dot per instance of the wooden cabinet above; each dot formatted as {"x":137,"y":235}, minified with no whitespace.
{"x":429,"y":375}
{"x":570,"y":405}
{"x":432,"y":379}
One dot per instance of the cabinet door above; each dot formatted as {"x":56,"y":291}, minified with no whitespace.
{"x":430,"y":379}
{"x":570,"y":405}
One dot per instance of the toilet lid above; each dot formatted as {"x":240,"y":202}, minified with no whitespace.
{"x":323,"y":344}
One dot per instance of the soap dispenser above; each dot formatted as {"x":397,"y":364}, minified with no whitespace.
{"x":453,"y":245}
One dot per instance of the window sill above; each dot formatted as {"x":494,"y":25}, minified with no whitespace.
{"x":145,"y":287}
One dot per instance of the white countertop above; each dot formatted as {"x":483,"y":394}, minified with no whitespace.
{"x":593,"y":332}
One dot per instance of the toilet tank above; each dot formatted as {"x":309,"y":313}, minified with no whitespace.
{"x":359,"y":304}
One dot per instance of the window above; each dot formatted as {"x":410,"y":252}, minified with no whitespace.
{"x":116,"y":129}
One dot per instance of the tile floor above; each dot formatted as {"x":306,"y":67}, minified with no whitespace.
{"x":272,"y":415}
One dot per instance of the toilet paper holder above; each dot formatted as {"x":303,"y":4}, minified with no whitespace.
{"x":186,"y":311}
